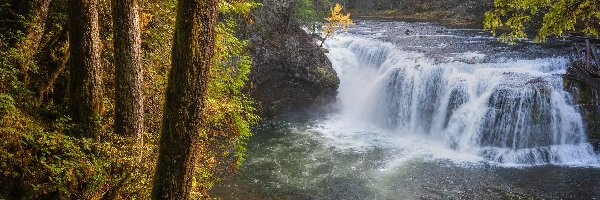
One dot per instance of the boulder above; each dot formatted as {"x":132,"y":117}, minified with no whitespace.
{"x":291,"y":74}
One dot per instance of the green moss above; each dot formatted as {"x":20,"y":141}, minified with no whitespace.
{"x":328,"y":75}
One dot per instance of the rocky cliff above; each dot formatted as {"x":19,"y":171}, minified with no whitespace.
{"x":291,"y":74}
{"x":586,"y":92}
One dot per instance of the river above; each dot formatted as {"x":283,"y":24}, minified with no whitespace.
{"x":429,"y":112}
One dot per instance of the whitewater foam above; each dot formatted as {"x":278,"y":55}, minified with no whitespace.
{"x":510,"y":112}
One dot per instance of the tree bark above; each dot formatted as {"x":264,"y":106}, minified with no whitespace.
{"x":193,"y":48}
{"x":85,"y":87}
{"x":36,"y":14}
{"x":63,"y":63}
{"x":129,"y":104}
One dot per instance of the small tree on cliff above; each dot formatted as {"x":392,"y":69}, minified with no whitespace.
{"x":337,"y":21}
{"x":559,"y":16}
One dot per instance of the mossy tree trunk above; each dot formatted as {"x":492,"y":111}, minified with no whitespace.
{"x":36,"y":13}
{"x":85,"y":88}
{"x":129,"y":102}
{"x":193,"y":48}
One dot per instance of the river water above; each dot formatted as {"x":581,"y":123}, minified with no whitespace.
{"x":429,"y":112}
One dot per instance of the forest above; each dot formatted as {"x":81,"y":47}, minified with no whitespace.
{"x":159,"y":99}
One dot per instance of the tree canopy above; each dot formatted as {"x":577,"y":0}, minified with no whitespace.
{"x":515,"y":18}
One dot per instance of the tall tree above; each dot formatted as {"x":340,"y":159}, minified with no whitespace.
{"x":193,"y":48}
{"x":129,"y":108}
{"x":85,"y":89}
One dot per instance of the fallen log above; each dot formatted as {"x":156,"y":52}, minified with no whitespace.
{"x":577,"y":72}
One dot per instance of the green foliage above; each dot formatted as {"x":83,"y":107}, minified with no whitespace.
{"x":49,"y":164}
{"x":7,"y":105}
{"x":309,"y":13}
{"x":236,"y":7}
{"x":157,"y":21}
{"x":8,"y":69}
{"x":228,"y":111}
{"x":42,"y":157}
{"x":559,"y":17}
{"x":306,"y":13}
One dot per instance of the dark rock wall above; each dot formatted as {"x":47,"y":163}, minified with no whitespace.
{"x":291,"y":74}
{"x":586,"y":93}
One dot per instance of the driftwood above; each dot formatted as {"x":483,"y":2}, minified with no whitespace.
{"x":577,"y":72}
{"x":585,"y":65}
{"x":586,"y":58}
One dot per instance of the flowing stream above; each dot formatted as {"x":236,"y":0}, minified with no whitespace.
{"x":429,"y":112}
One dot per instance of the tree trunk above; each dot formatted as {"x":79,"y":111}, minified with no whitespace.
{"x":62,"y":64}
{"x":193,"y":48}
{"x":36,"y":14}
{"x":129,"y":108}
{"x":85,"y":88}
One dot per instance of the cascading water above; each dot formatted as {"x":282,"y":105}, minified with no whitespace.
{"x":429,"y":112}
{"x":510,"y":112}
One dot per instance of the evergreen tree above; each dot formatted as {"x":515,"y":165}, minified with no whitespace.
{"x":85,"y":88}
{"x":193,"y":49}
{"x":129,"y":108}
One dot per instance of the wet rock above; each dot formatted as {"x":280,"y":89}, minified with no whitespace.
{"x":291,"y":74}
{"x":586,"y":93}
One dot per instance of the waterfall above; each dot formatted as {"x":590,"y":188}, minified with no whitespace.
{"x":506,"y":111}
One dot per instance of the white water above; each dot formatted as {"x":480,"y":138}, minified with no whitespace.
{"x":513,"y":112}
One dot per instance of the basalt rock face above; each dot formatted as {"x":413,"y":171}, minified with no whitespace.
{"x":291,"y":74}
{"x":586,"y":92}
